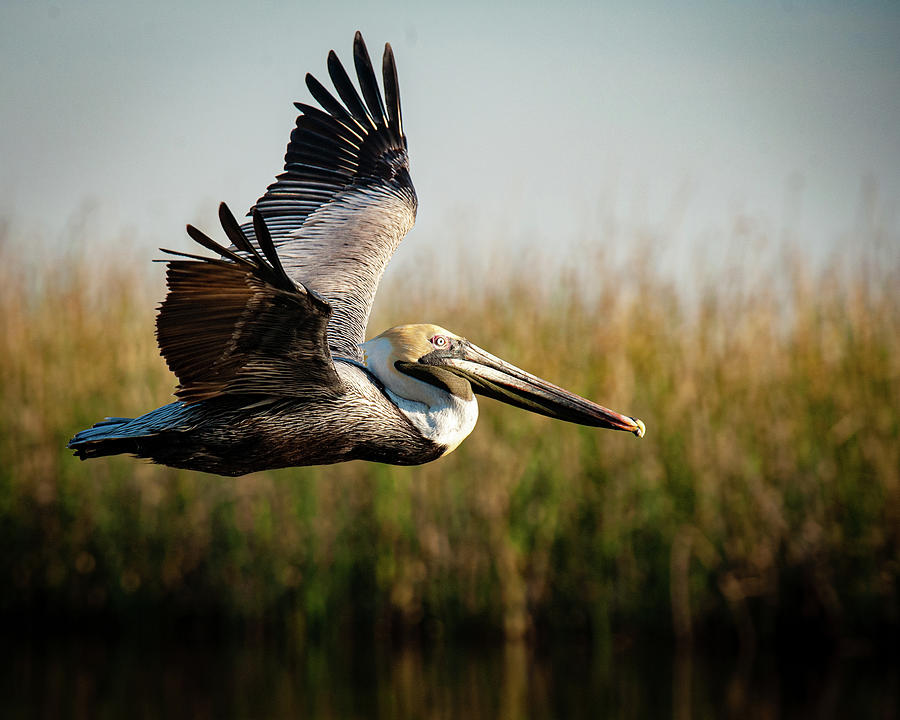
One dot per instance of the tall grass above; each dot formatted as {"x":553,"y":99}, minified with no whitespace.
{"x":766,"y":492}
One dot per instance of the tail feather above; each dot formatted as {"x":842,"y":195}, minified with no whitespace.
{"x":115,"y":435}
{"x":104,"y":438}
{"x":109,"y":421}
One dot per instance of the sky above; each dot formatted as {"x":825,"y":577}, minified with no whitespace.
{"x":545,"y":124}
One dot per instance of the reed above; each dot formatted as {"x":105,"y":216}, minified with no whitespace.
{"x":765,"y":493}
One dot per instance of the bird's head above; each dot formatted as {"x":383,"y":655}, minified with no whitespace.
{"x":424,"y":363}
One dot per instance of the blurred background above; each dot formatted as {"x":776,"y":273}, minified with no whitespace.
{"x":687,"y":214}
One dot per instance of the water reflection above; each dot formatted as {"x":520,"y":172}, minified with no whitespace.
{"x":89,"y":679}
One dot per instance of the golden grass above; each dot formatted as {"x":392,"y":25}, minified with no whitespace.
{"x":767,"y":489}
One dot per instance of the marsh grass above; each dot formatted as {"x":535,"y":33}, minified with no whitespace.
{"x":764,"y":497}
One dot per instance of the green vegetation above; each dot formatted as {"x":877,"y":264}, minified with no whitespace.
{"x":766,"y":491}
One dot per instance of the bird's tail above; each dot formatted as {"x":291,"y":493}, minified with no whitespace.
{"x":116,"y":435}
{"x":107,"y":437}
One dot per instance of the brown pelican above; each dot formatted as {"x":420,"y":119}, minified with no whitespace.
{"x":267,"y":338}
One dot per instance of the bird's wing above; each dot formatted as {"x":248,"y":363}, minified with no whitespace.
{"x":345,"y":199}
{"x":237,"y":324}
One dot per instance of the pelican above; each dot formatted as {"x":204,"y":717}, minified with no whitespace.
{"x":267,"y":338}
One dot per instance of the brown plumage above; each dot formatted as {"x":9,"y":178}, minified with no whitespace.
{"x":267,"y":338}
{"x":241,"y":326}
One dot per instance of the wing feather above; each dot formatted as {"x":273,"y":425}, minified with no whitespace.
{"x":201,"y":238}
{"x":392,"y":90}
{"x":238,"y":324}
{"x":347,"y":92}
{"x":345,"y":199}
{"x":367,"y":81}
{"x":333,"y":106}
{"x":233,"y":230}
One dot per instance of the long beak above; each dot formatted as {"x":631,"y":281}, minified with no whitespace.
{"x":497,"y":379}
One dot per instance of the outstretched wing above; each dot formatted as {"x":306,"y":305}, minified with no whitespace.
{"x":237,"y":324}
{"x":346,"y":199}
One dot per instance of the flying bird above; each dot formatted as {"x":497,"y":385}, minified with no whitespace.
{"x":267,"y":338}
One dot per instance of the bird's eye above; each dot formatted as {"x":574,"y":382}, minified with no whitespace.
{"x":439,"y":341}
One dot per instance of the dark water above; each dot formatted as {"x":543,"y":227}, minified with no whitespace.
{"x":100,"y":679}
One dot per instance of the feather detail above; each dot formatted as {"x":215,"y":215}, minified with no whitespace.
{"x":239,"y":325}
{"x":345,"y":199}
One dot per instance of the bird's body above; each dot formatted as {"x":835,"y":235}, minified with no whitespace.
{"x":268,"y":338}
{"x":234,"y":436}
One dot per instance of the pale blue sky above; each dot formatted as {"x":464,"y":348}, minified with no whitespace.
{"x":534,"y":122}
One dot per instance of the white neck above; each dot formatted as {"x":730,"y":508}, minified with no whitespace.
{"x":441,"y":416}
{"x":448,"y":422}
